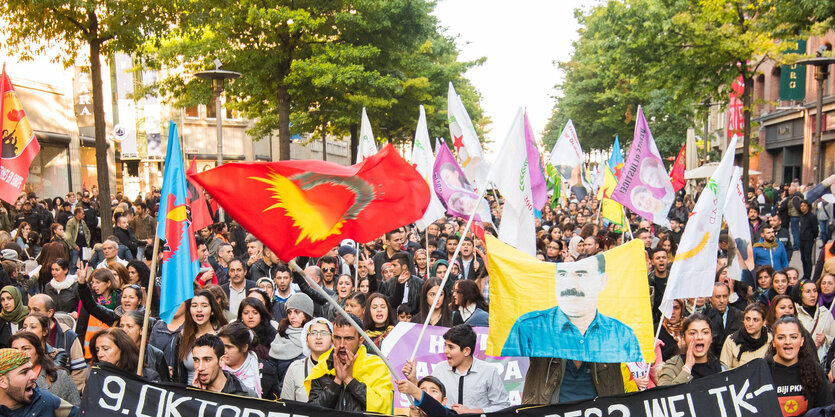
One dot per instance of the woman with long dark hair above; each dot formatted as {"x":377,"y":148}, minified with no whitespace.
{"x":255,"y":316}
{"x":115,"y":347}
{"x":379,"y":318}
{"x":63,"y":288}
{"x":257,"y":374}
{"x":131,"y":324}
{"x":816,"y":319}
{"x":749,"y":342}
{"x":50,"y":253}
{"x":697,"y":360}
{"x":670,"y":332}
{"x":799,"y":380}
{"x":428,"y":292}
{"x":202,"y":316}
{"x":469,"y":305}
{"x":55,"y":380}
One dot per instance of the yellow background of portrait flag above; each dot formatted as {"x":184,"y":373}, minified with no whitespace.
{"x":520,"y":283}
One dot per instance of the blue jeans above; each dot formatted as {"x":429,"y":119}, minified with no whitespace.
{"x":795,"y":228}
{"x":824,"y":230}
{"x":73,"y":261}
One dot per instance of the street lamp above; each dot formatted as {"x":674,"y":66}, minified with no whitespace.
{"x":821,"y":64}
{"x":218,"y":76}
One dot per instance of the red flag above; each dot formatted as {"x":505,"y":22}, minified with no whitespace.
{"x":305,"y":208}
{"x":200,"y":214}
{"x":19,"y":145}
{"x":736,"y":120}
{"x":677,"y":171}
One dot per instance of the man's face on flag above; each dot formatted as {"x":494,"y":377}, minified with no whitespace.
{"x":578,"y":286}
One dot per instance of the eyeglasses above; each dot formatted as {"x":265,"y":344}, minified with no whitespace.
{"x":328,"y":269}
{"x":322,"y":333}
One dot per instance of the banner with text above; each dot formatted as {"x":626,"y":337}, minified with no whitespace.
{"x":398,"y":345}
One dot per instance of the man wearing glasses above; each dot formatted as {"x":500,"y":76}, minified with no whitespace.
{"x":328,"y":266}
{"x":347,"y":378}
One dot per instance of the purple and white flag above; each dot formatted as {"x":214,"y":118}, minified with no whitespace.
{"x":644,"y":186}
{"x":453,"y":188}
{"x":539,"y":188}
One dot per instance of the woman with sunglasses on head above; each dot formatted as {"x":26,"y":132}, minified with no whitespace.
{"x":317,"y":333}
{"x":131,"y":324}
{"x":255,"y":316}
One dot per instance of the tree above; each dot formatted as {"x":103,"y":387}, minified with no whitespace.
{"x":311,"y":65}
{"x":102,"y":26}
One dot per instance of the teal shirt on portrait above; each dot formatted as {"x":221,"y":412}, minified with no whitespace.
{"x":550,"y":334}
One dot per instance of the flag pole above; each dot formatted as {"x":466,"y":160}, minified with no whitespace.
{"x":334,"y":304}
{"x":150,"y":298}
{"x":446,"y":275}
{"x":626,"y":220}
{"x":357,"y":268}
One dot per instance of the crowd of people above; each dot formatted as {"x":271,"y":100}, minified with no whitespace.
{"x":72,"y":299}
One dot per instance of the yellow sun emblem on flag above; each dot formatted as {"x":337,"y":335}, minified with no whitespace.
{"x":315,"y":221}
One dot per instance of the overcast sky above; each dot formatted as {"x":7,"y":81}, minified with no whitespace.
{"x":521,"y":40}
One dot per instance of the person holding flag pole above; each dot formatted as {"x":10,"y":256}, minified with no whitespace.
{"x":179,"y":256}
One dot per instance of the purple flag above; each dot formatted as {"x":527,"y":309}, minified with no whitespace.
{"x":398,"y":345}
{"x":539,"y":189}
{"x":453,"y":188}
{"x":644,"y":186}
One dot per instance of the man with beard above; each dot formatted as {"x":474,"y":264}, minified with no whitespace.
{"x":770,"y":251}
{"x":328,"y":266}
{"x":347,"y":378}
{"x":782,"y":234}
{"x":20,"y":395}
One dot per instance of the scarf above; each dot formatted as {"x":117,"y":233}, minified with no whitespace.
{"x":766,"y":245}
{"x":747,"y":343}
{"x":826,"y":299}
{"x":377,"y":335}
{"x":59,"y":286}
{"x":20,"y":311}
{"x":110,"y":302}
{"x":673,"y":329}
{"x":249,"y":372}
{"x":288,"y":347}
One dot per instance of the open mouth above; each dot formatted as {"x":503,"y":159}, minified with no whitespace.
{"x":199,"y":317}
{"x":379,"y":317}
{"x":788,"y":350}
{"x":698,"y":347}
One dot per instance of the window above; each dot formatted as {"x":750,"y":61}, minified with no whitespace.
{"x":193,"y":111}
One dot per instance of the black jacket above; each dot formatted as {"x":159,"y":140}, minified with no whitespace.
{"x":327,"y":393}
{"x":155,"y":359}
{"x":394,"y":290}
{"x":260,"y":269}
{"x":234,"y":386}
{"x":722,"y":331}
{"x":127,"y":238}
{"x":808,"y":226}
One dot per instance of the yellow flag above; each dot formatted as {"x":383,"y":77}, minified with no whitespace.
{"x":610,"y":209}
{"x":521,"y":285}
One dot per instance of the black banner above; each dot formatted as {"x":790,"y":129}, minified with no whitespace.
{"x":745,"y":391}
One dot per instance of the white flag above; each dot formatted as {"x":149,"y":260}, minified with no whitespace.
{"x":736,"y":215}
{"x":694,"y":269}
{"x":512,"y":179}
{"x":367,"y":146}
{"x":567,"y":158}
{"x":465,"y":140}
{"x":424,"y":161}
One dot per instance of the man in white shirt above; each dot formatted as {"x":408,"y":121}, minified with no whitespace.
{"x":110,"y":249}
{"x":237,"y":286}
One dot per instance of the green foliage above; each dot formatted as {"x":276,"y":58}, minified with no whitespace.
{"x":329,"y":59}
{"x":667,"y":55}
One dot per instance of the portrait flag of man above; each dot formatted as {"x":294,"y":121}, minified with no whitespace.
{"x":19,"y":145}
{"x":175,"y":227}
{"x":594,"y":310}
{"x":455,"y":190}
{"x":305,"y":208}
{"x":692,"y":274}
{"x":367,"y":145}
{"x":644,"y":186}
{"x":424,"y":161}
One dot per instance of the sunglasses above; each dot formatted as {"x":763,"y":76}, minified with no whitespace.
{"x":328,"y":269}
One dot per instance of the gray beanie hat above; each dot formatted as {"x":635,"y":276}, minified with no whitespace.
{"x":300,"y":301}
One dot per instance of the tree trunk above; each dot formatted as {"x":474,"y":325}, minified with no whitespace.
{"x":746,"y":129}
{"x":102,"y":170}
{"x":354,"y":144}
{"x":283,"y":123}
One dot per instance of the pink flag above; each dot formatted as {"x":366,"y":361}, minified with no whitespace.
{"x":453,"y":188}
{"x":539,"y":189}
{"x":644,"y":186}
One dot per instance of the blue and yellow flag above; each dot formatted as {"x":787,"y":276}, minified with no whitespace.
{"x":594,"y":310}
{"x":174,"y":227}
